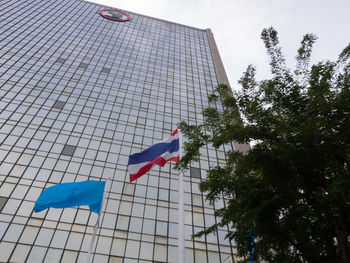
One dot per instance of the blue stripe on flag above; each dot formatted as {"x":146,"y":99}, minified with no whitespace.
{"x":154,"y":151}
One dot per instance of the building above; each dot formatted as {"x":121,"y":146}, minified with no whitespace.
{"x":80,"y":91}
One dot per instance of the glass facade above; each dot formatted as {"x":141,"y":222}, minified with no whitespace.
{"x":78,"y":94}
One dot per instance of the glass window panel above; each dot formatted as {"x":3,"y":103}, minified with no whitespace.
{"x":109,"y":220}
{"x":112,"y":206}
{"x":125,"y":208}
{"x":162,"y":228}
{"x":160,"y":253}
{"x":59,"y":239}
{"x":13,"y":233}
{"x":44,"y":237}
{"x":188,"y":218}
{"x":222,"y":239}
{"x":3,"y":227}
{"x":18,"y":170}
{"x":101,"y":258}
{"x":103,"y":245}
{"x":197,"y":200}
{"x":74,"y":241}
{"x":37,"y":254}
{"x":20,"y":253}
{"x":54,"y":214}
{"x":3,"y":201}
{"x":132,"y":249}
{"x":123,"y":222}
{"x":69,"y":256}
{"x":173,"y":254}
{"x":198,"y":219}
{"x":116,"y":187}
{"x":163,"y":194}
{"x":118,"y":247}
{"x":137,"y":210}
{"x":135,"y":224}
{"x":146,"y":251}
{"x":29,"y":234}
{"x":148,"y":226}
{"x":5,"y":251}
{"x":213,"y":256}
{"x":140,"y":191}
{"x":25,"y":209}
{"x":53,"y":255}
{"x":150,"y":211}
{"x":68,"y":215}
{"x":129,"y":189}
{"x":162,"y":213}
{"x":82,"y":216}
{"x":201,"y":256}
{"x":188,"y":255}
{"x":173,"y":230}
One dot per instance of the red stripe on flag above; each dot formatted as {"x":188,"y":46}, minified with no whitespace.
{"x":174,"y":132}
{"x":159,"y":160}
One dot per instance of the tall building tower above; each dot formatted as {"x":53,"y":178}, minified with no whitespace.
{"x":81,"y":89}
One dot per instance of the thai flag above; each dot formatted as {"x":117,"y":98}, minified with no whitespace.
{"x":159,"y":153}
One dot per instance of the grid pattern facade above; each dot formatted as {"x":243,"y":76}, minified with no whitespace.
{"x":79,"y":94}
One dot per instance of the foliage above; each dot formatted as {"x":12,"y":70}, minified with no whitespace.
{"x":292,"y":190}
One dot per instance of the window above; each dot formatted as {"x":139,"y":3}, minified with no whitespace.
{"x":68,"y":150}
{"x":105,"y":70}
{"x":83,"y":65}
{"x":58,"y":105}
{"x":60,"y":60}
{"x":3,"y":201}
{"x":195,"y":172}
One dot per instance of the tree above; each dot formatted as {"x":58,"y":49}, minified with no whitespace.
{"x":290,"y":193}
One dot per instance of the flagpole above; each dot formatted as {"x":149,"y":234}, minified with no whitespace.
{"x":181,"y":239}
{"x":97,"y":224}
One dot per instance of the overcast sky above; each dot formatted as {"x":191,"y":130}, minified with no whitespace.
{"x":237,"y":25}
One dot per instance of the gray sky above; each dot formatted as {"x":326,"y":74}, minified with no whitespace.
{"x":237,"y":25}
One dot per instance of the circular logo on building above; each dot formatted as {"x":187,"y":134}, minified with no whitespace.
{"x":114,"y":15}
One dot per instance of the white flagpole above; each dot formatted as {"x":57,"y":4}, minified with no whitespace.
{"x":181,"y":239}
{"x":97,"y":223}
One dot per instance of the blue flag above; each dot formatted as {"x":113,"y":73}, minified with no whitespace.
{"x":72,"y":194}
